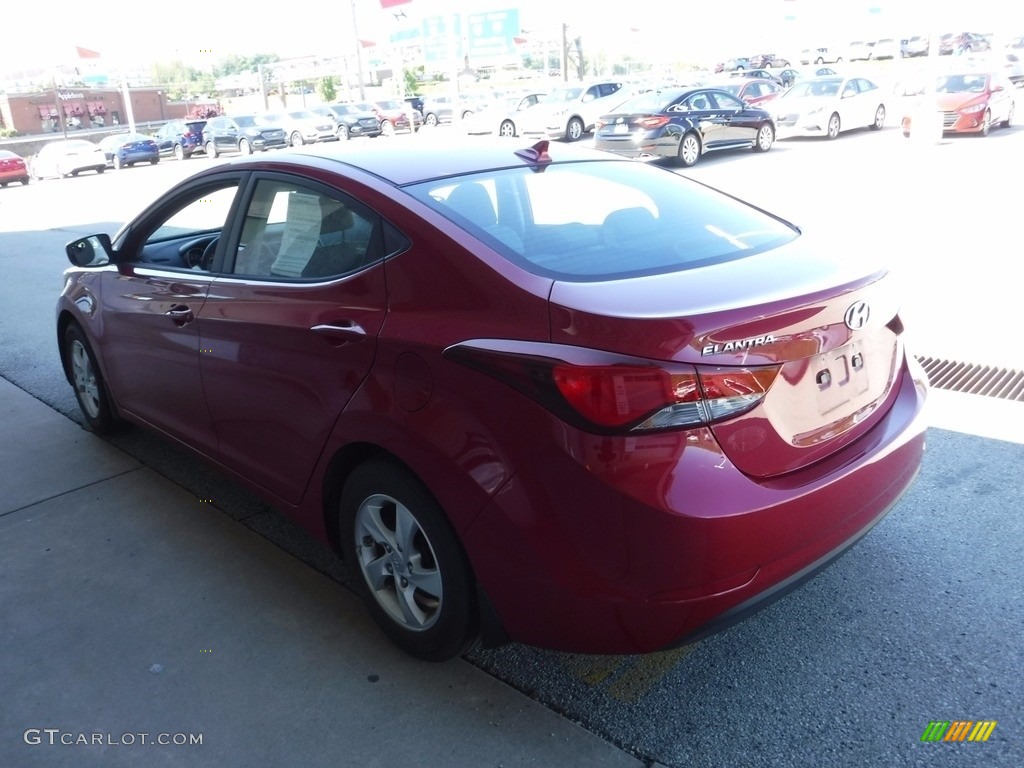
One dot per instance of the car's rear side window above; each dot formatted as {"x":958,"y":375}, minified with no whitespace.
{"x":603,"y":220}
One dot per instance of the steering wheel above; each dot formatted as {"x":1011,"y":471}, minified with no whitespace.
{"x":206,"y":260}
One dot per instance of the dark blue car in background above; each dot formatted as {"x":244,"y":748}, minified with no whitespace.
{"x":124,"y":149}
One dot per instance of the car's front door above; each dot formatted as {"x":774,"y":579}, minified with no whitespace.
{"x":289,"y":329}
{"x":151,"y":304}
{"x":739,"y":125}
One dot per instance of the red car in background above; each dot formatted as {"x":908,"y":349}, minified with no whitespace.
{"x":12,"y":168}
{"x":969,"y":102}
{"x":540,"y":393}
{"x":753,"y":91}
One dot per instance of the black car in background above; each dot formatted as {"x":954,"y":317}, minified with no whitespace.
{"x":351,"y":120}
{"x":683,"y":125}
{"x":180,"y":138}
{"x":243,"y":133}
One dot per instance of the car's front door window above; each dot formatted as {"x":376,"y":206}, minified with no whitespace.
{"x":291,"y":232}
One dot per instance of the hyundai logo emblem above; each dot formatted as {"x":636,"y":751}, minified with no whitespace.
{"x":857,"y":315}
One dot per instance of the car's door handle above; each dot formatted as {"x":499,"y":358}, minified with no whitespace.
{"x":180,"y":314}
{"x":341,"y":330}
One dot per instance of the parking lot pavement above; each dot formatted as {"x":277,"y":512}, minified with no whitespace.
{"x":137,"y":621}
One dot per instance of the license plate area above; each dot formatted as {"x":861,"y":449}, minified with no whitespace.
{"x":841,"y":376}
{"x":620,"y":128}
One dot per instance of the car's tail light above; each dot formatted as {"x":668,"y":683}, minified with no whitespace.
{"x":606,"y":393}
{"x":652,"y":121}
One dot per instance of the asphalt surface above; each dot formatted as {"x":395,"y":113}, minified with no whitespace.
{"x":921,"y":621}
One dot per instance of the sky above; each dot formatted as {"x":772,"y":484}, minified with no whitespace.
{"x":325,"y":27}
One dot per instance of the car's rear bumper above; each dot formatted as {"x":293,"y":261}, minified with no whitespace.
{"x":630,"y":545}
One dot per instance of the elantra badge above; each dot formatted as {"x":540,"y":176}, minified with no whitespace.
{"x":857,"y":315}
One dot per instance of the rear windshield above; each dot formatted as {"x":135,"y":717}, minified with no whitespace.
{"x":599,"y":220}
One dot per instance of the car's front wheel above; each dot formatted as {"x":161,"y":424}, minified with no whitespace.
{"x":406,"y":562}
{"x":211,"y":150}
{"x":507,"y":129}
{"x":179,"y":152}
{"x":986,"y":123}
{"x":118,"y":165}
{"x":765,"y":138}
{"x":689,"y":150}
{"x":387,"y":128}
{"x":574,"y":130}
{"x":342,"y":132}
{"x":833,"y":126}
{"x":296,"y":139}
{"x":244,"y":147}
{"x":431,"y":120}
{"x":1007,"y":122}
{"x":90,"y":389}
{"x":879,"y":121}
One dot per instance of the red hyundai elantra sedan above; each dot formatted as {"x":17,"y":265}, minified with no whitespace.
{"x":532,"y":393}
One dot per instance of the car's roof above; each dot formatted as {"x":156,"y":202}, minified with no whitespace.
{"x":411,"y":162}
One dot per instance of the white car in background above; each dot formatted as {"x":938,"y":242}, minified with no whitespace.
{"x":502,"y":115}
{"x":69,"y":157}
{"x":569,"y":111}
{"x":303,"y":126}
{"x":826,"y":106}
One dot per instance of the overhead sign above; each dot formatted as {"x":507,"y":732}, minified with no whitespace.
{"x":493,"y":33}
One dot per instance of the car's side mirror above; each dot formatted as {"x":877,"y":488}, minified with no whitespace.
{"x":92,"y":251}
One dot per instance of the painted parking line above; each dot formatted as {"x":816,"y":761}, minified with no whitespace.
{"x":626,"y":679}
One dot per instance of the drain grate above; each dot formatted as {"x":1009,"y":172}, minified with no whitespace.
{"x":986,"y":380}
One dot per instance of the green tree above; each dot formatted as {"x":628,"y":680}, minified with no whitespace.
{"x":327,"y":89}
{"x":412,"y":82}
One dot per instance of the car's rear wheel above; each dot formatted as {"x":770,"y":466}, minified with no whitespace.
{"x":179,"y":152}
{"x":765,"y":138}
{"x":833,"y":126}
{"x":879,"y":121}
{"x":507,"y":129}
{"x":154,"y":161}
{"x":244,"y":147}
{"x":574,"y":130}
{"x":211,"y":150}
{"x":90,"y":389}
{"x":296,"y":139}
{"x":406,"y":562}
{"x":689,"y":150}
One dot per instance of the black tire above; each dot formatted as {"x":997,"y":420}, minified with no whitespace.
{"x":879,"y":122}
{"x":819,"y":61}
{"x":422,"y":598}
{"x":25,"y":182}
{"x":507,"y":129}
{"x":834,"y":126}
{"x":296,"y":139}
{"x":430,"y":119}
{"x":986,"y":123}
{"x":574,"y":130}
{"x":1005,"y":123}
{"x":179,"y":152}
{"x":87,"y":381}
{"x":689,"y":150}
{"x":154,"y":161}
{"x":244,"y":147}
{"x":343,"y":132}
{"x":211,"y":150}
{"x":765,"y":139}
{"x":118,"y":165}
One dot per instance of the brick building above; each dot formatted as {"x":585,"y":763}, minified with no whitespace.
{"x":40,"y":112}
